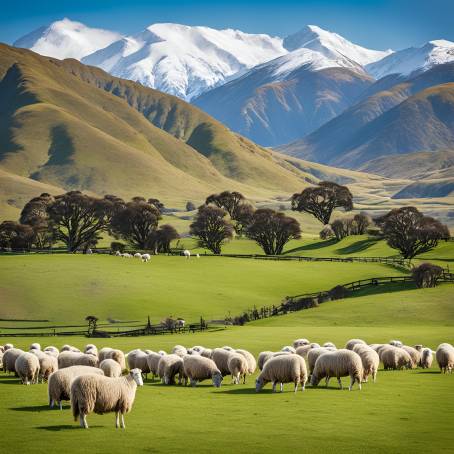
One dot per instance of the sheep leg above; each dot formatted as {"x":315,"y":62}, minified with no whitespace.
{"x":117,"y":419}
{"x":51,"y":402}
{"x":282,"y":387}
{"x":83,"y":421}
{"x":274,"y":386}
{"x":339,"y":380}
{"x":60,"y":404}
{"x":244,"y":379}
{"x":123,"y":421}
{"x":296,"y":387}
{"x":193,"y":382}
{"x":327,"y":381}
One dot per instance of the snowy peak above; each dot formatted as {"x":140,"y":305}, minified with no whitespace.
{"x":331,"y":45}
{"x":413,"y":59}
{"x":67,"y":39}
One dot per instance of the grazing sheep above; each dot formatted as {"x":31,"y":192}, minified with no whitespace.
{"x":415,"y":355}
{"x":283,"y":369}
{"x":51,"y":350}
{"x":198,"y":349}
{"x":418,"y":347}
{"x":426,"y":358}
{"x":197,"y":255}
{"x":304,"y":350}
{"x":117,"y":254}
{"x":329,"y":344}
{"x":370,"y":359}
{"x":238,"y":367}
{"x":9,"y":359}
{"x":221,"y":357}
{"x":251,"y":362}
{"x":376,"y":347}
{"x":445,"y":358}
{"x":68,"y":358}
{"x":115,"y":354}
{"x":207,"y":353}
{"x":162,"y":352}
{"x":230,"y":349}
{"x":69,"y":348}
{"x":395,"y":358}
{"x":187,"y":254}
{"x":91,"y":348}
{"x":313,"y":355}
{"x":146,"y":258}
{"x":137,"y":255}
{"x":138,"y":360}
{"x":27,"y":368}
{"x":180,"y":350}
{"x":396,"y":343}
{"x":198,"y":368}
{"x":95,"y":393}
{"x":349,"y":345}
{"x":288,"y":349}
{"x":7,"y":347}
{"x":110,"y":368}
{"x":263,"y":358}
{"x":35,"y":346}
{"x":339,"y":363}
{"x":153,"y":359}
{"x":300,"y":342}
{"x":48,"y":364}
{"x":168,"y":367}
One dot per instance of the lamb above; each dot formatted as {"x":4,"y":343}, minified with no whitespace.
{"x":69,"y":348}
{"x":187,"y":254}
{"x":418,"y":347}
{"x":138,"y":360}
{"x":161,"y":352}
{"x":304,"y":350}
{"x":115,"y":354}
{"x":198,"y":368}
{"x":153,"y":359}
{"x":396,"y":343}
{"x":329,"y":344}
{"x":198,"y":349}
{"x":179,"y":350}
{"x":146,"y":258}
{"x":110,"y":368}
{"x":59,"y":383}
{"x":263,"y":358}
{"x":9,"y":359}
{"x":92,"y":349}
{"x":251,"y":362}
{"x":288,"y":349}
{"x":395,"y":358}
{"x":370,"y":360}
{"x":339,"y":363}
{"x":376,"y":347}
{"x":95,"y":393}
{"x":238,"y":367}
{"x":300,"y":342}
{"x":137,"y":255}
{"x":68,"y":358}
{"x":27,"y":368}
{"x":7,"y":346}
{"x":207,"y":353}
{"x":415,"y":355}
{"x":445,"y":358}
{"x":117,"y":254}
{"x":35,"y":346}
{"x":51,"y":350}
{"x":426,"y":358}
{"x":221,"y":357}
{"x":48,"y":364}
{"x":168,"y":367}
{"x":349,"y":345}
{"x":283,"y":369}
{"x":230,"y":349}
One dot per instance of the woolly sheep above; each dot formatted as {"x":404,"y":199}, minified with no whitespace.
{"x":445,"y":358}
{"x":415,"y":355}
{"x":117,"y":253}
{"x":370,"y":359}
{"x":230,"y":349}
{"x":288,"y":349}
{"x":263,"y":358}
{"x":35,"y":346}
{"x":349,"y":345}
{"x":198,"y":349}
{"x":426,"y":358}
{"x":312,"y":356}
{"x":179,"y":350}
{"x":283,"y":369}
{"x":396,"y":343}
{"x":146,"y":258}
{"x":339,"y":363}
{"x":27,"y":368}
{"x":91,"y":348}
{"x":198,"y":368}
{"x":110,"y":368}
{"x":99,"y":394}
{"x":68,"y":358}
{"x":51,"y":350}
{"x":376,"y":347}
{"x":168,"y":367}
{"x":418,"y":347}
{"x":137,"y":255}
{"x":329,"y":344}
{"x":304,"y":350}
{"x":207,"y":353}
{"x":48,"y":364}
{"x":162,"y":352}
{"x":153,"y":359}
{"x":221,"y":357}
{"x":7,"y":346}
{"x":238,"y":367}
{"x":395,"y":358}
{"x":187,"y":254}
{"x":115,"y":354}
{"x":299,"y":342}
{"x":9,"y":359}
{"x":251,"y":362}
{"x":138,"y":360}
{"x":69,"y":348}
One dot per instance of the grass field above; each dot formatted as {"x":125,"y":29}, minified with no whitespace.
{"x":405,"y":411}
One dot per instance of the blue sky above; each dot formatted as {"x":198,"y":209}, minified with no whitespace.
{"x":377,"y":24}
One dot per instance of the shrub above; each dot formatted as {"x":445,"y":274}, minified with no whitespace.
{"x":338,"y":292}
{"x":117,"y":246}
{"x":326,"y":233}
{"x":426,"y":275}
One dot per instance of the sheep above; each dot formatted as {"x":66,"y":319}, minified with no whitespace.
{"x":35,"y":346}
{"x":146,"y":258}
{"x":162,"y":352}
{"x":197,"y":255}
{"x":251,"y":362}
{"x":288,"y":349}
{"x":263,"y":358}
{"x":207,"y":353}
{"x":221,"y":357}
{"x":137,"y":255}
{"x":445,"y":358}
{"x":329,"y":344}
{"x":339,"y":363}
{"x":283,"y":369}
{"x":187,"y":254}
{"x":179,"y":350}
{"x":426,"y":358}
{"x":27,"y":368}
{"x":304,"y":350}
{"x":115,"y":354}
{"x":395,"y":358}
{"x":370,"y":359}
{"x":238,"y":367}
{"x":91,"y":348}
{"x":168,"y":367}
{"x":110,"y":368}
{"x":67,"y":359}
{"x":312,"y":356}
{"x":396,"y":343}
{"x":153,"y":359}
{"x":51,"y":350}
{"x":198,"y":368}
{"x":59,"y":383}
{"x":418,"y":347}
{"x":198,"y":349}
{"x":415,"y":355}
{"x":376,"y":347}
{"x":9,"y":359}
{"x":349,"y":345}
{"x":229,"y":349}
{"x":7,"y":346}
{"x":138,"y":360}
{"x":48,"y":364}
{"x":69,"y":348}
{"x":117,"y":254}
{"x":300,"y":342}
{"x":95,"y":393}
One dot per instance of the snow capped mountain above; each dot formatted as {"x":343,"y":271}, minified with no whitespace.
{"x":413,"y":59}
{"x":185,"y":61}
{"x":331,"y":45}
{"x":67,"y":39}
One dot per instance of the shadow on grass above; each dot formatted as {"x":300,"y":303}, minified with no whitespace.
{"x":10,"y":380}
{"x":74,"y":426}
{"x":383,"y":288}
{"x":312,"y":246}
{"x":35,"y":408}
{"x":429,"y":372}
{"x":357,"y":246}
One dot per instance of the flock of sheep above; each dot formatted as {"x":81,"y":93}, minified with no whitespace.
{"x":94,"y":382}
{"x":146,"y":257}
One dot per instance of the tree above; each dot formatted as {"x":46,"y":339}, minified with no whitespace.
{"x":229,"y":201}
{"x":326,"y":233}
{"x":271,"y":230}
{"x":117,"y":246}
{"x":164,"y":236}
{"x":339,"y":229}
{"x":321,"y":200}
{"x":136,"y":222}
{"x":14,"y":235}
{"x":211,"y":228}
{"x":92,"y":323}
{"x":190,"y":206}
{"x":243,"y":217}
{"x":157,"y":204}
{"x":78,"y":218}
{"x":427,"y":275}
{"x":409,"y":231}
{"x":361,"y":223}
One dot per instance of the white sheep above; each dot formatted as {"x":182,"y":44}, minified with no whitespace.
{"x":110,"y":368}
{"x":137,"y":255}
{"x":329,"y":344}
{"x":395,"y":358}
{"x":396,"y":343}
{"x":92,"y":349}
{"x":139,"y":360}
{"x":288,"y":349}
{"x":153,"y":359}
{"x":415,"y":355}
{"x":339,"y":363}
{"x":99,"y":394}
{"x":27,"y":368}
{"x":197,"y":255}
{"x":263,"y":358}
{"x":9,"y":359}
{"x":113,"y":353}
{"x":305,"y":349}
{"x":168,"y":367}
{"x":207,"y":353}
{"x":283,"y":369}
{"x":48,"y":364}
{"x":445,"y":358}
{"x":300,"y":342}
{"x":69,"y":358}
{"x":370,"y":359}
{"x":69,"y":348}
{"x":7,"y":346}
{"x":187,"y":254}
{"x":226,"y":347}
{"x":117,"y":253}
{"x":180,"y":350}
{"x":349,"y":345}
{"x":221,"y":357}
{"x":198,"y":349}
{"x":35,"y":346}
{"x":251,"y":362}
{"x":313,"y":355}
{"x":162,"y":352}
{"x":146,"y":258}
{"x":51,"y":350}
{"x":238,"y":367}
{"x":198,"y":368}
{"x":426,"y":358}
